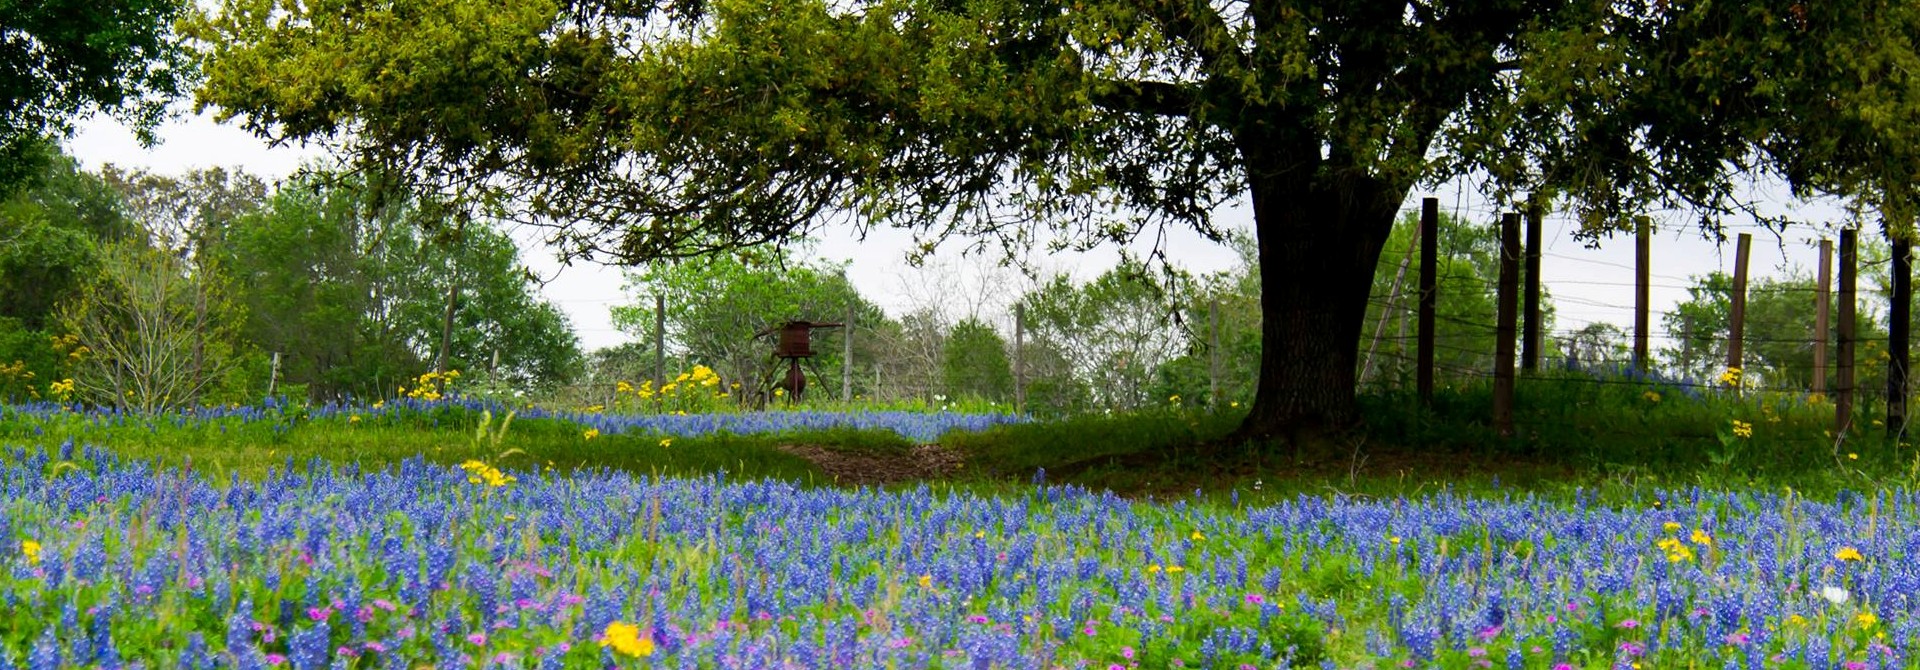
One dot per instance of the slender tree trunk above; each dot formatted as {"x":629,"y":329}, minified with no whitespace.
{"x":446,"y":329}
{"x":1319,"y":240}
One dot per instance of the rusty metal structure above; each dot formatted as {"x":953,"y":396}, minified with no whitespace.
{"x":794,"y":343}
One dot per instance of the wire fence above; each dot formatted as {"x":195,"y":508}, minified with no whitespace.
{"x":1588,"y":326}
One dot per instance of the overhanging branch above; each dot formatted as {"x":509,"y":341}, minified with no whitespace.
{"x":1147,"y":97}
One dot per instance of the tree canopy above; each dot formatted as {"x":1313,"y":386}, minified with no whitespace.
{"x":649,"y":130}
{"x":719,"y":312}
{"x":66,"y":58}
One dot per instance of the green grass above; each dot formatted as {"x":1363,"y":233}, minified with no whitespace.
{"x":252,"y":449}
{"x":1572,"y":432}
{"x":1609,"y":439}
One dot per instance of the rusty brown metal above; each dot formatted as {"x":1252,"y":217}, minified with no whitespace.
{"x":796,"y":338}
{"x":794,"y":341}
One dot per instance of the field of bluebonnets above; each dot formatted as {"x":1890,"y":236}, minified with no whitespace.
{"x":448,"y":532}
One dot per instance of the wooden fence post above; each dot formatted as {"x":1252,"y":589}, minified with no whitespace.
{"x":1642,"y":282}
{"x":1843,"y":368}
{"x":1530,"y":319}
{"x":1821,"y":324}
{"x":1508,"y":303}
{"x":1429,"y":297}
{"x":1736,"y":336}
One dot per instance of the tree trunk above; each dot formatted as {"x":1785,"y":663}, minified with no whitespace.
{"x":1320,"y":237}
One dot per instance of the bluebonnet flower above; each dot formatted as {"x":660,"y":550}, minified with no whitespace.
{"x":46,"y":653}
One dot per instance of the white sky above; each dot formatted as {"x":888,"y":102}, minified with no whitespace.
{"x":1587,"y":284}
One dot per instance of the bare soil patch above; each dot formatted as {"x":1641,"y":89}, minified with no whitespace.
{"x":873,"y":468}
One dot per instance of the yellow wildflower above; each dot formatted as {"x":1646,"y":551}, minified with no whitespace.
{"x":1671,"y":527}
{"x":1865,"y":620}
{"x":1676,"y":551}
{"x":926,"y":581}
{"x":591,"y":433}
{"x":1742,"y":429}
{"x":31,"y":550}
{"x":666,"y":442}
{"x":1731,"y":377}
{"x":1700,"y":537}
{"x":481,"y":473}
{"x":1848,"y":554}
{"x":626,"y":640}
{"x":1651,"y":396}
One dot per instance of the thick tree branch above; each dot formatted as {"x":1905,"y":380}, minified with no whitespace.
{"x":1202,"y":28}
{"x":1148,"y":97}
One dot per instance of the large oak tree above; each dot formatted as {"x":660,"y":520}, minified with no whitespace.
{"x":645,"y":130}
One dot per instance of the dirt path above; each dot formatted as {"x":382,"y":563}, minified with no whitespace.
{"x":863,"y":468}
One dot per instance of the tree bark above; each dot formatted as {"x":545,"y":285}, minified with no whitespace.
{"x":1320,"y":235}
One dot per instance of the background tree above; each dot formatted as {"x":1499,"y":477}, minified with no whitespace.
{"x":907,"y":355}
{"x":626,"y":362}
{"x":974,"y":363}
{"x":159,"y":337}
{"x":1235,"y":295}
{"x":1600,"y":345}
{"x":185,"y":213}
{"x":67,"y":58}
{"x":501,"y":325}
{"x":351,"y":289}
{"x":50,"y":231}
{"x":1779,"y":332}
{"x":647,"y":131}
{"x":1698,"y":327}
{"x":1113,"y":331}
{"x":718,"y":307}
{"x":1468,"y":272}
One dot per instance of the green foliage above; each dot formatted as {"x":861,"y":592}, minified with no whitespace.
{"x":1225,"y":308}
{"x":720,"y":311}
{"x":1111,"y":333}
{"x":659,"y":131}
{"x":975,"y":363}
{"x":1778,"y":336}
{"x":66,"y":58}
{"x":1468,"y":272}
{"x":352,"y":289}
{"x":158,"y":337}
{"x":31,"y":362}
{"x":50,"y":231}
